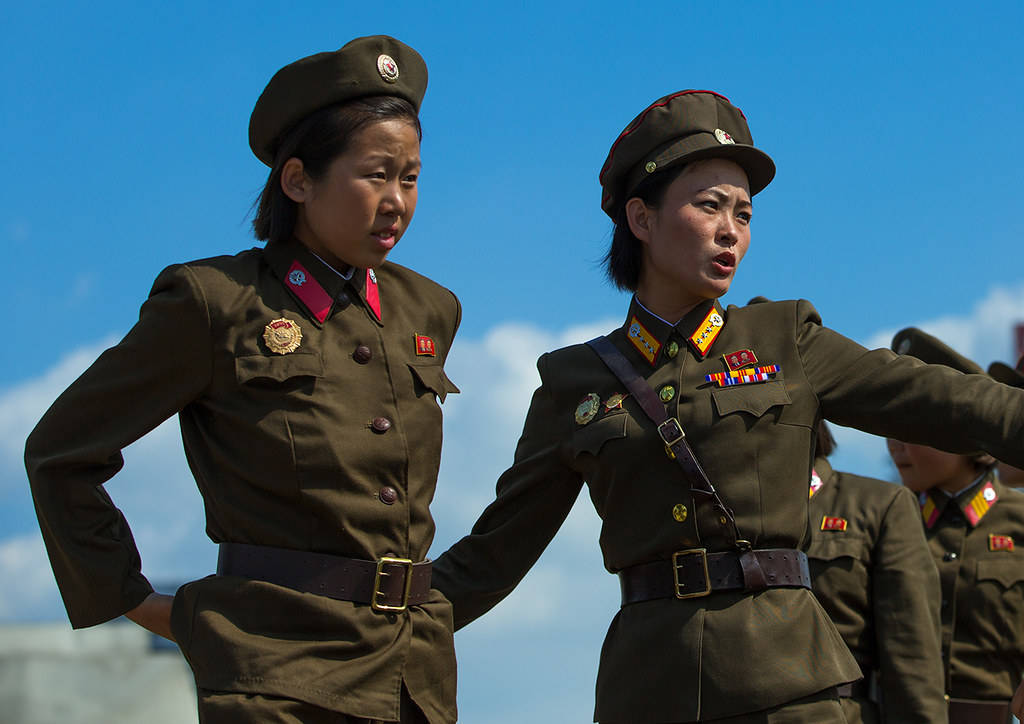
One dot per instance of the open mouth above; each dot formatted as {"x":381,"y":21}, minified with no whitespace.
{"x":725,"y":262}
{"x":386,"y":235}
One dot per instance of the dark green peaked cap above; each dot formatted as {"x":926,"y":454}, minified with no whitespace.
{"x":682,"y":127}
{"x":925,"y":347}
{"x":376,"y":65}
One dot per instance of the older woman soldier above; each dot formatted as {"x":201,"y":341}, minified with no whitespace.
{"x":973,"y":523}
{"x":306,"y":377}
{"x":694,"y":427}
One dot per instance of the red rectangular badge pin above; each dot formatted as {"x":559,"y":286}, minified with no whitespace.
{"x":829,"y":522}
{"x":740,"y":359}
{"x":1000,"y":543}
{"x":425,"y":346}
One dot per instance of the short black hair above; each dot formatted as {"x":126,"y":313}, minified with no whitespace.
{"x":317,"y":140}
{"x":824,"y":444}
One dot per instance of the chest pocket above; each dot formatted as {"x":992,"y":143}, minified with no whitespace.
{"x":754,"y":399}
{"x":257,"y":369}
{"x":831,"y":546}
{"x":591,"y":438}
{"x":433,"y":378}
{"x":1006,"y":572}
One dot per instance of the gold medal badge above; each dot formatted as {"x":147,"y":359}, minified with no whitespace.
{"x":587,"y":409}
{"x":282,"y":336}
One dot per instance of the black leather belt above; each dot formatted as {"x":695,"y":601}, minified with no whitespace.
{"x":389,"y":584}
{"x":855,"y":690}
{"x":975,"y":711}
{"x":695,"y":573}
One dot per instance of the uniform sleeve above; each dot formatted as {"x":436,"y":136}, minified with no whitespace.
{"x":907,"y":621}
{"x":534,"y":496}
{"x":162,"y":364}
{"x":898,"y":396}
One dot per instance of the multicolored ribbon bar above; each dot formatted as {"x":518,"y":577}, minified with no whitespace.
{"x":743,"y":377}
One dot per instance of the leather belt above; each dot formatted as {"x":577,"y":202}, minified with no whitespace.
{"x":390,"y":584}
{"x":855,"y":690}
{"x":695,"y":573}
{"x":974,"y":711}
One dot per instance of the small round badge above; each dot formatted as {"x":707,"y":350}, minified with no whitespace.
{"x":667,"y":393}
{"x":282,"y":336}
{"x":989,"y":494}
{"x":587,"y":409}
{"x":614,"y":402}
{"x":723,"y":137}
{"x":679,"y":512}
{"x":388,"y":68}
{"x":651,"y":167}
{"x":716,"y":320}
{"x":673,"y":349}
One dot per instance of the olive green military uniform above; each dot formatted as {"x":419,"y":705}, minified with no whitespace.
{"x":872,"y":572}
{"x":332,"y":447}
{"x":698,"y":659}
{"x":975,"y":540}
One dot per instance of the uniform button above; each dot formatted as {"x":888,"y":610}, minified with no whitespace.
{"x":381,"y":424}
{"x":722,"y":520}
{"x":673,"y":349}
{"x":363,"y":354}
{"x":388,"y":495}
{"x":947,"y":557}
{"x":679,"y":512}
{"x":667,"y":393}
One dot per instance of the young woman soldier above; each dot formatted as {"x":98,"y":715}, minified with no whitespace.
{"x":974,"y":524}
{"x":306,"y":376}
{"x":694,"y":427}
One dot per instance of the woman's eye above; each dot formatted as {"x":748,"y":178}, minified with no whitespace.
{"x":744,"y":217}
{"x":410,"y":179}
{"x":709,"y":204}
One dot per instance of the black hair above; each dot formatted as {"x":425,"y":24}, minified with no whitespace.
{"x":317,"y":140}
{"x":824,"y":444}
{"x":625,"y":256}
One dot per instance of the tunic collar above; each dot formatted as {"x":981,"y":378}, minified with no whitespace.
{"x":975,"y":502}
{"x":656,"y":340}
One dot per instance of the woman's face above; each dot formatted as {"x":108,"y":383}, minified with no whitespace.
{"x":694,"y":239}
{"x":922,"y":468}
{"x":356,"y":213}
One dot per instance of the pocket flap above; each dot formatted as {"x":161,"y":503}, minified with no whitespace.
{"x":830,"y":545}
{"x":1005,"y":572}
{"x":755,"y":398}
{"x":433,"y":377}
{"x":279,"y":367}
{"x":591,"y":438}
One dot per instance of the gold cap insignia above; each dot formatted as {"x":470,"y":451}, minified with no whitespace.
{"x":282,"y":336}
{"x":388,"y":68}
{"x":587,"y":409}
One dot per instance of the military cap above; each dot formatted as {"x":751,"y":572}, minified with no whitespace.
{"x":925,"y":347}
{"x":1013,"y":376}
{"x":376,"y":65}
{"x":682,"y":127}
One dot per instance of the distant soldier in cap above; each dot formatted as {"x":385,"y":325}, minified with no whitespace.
{"x":1014,"y":376}
{"x":873,"y":573}
{"x":307,"y":377}
{"x":975,"y":527}
{"x":694,"y":427}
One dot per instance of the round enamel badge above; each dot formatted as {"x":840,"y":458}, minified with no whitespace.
{"x":297,"y":277}
{"x":989,"y":494}
{"x":723,"y":137}
{"x":282,"y":336}
{"x":587,"y":409}
{"x":388,"y":68}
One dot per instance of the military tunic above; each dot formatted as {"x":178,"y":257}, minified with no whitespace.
{"x":974,"y":540}
{"x":669,"y":660}
{"x":333,"y":447}
{"x":872,"y":572}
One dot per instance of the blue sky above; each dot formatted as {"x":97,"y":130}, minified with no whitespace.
{"x":895,"y":129}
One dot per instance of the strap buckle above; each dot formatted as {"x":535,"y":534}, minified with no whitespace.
{"x":375,"y":604}
{"x":680,"y":585}
{"x":671,"y":431}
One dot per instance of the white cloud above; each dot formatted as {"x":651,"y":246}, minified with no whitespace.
{"x":29,"y":591}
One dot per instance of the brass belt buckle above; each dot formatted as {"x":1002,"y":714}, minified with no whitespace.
{"x":703,"y":553}
{"x":671,"y":431}
{"x":377,"y":593}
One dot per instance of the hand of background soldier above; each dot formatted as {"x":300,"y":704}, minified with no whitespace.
{"x":154,"y":614}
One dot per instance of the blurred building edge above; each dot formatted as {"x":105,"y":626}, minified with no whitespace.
{"x":115,"y":673}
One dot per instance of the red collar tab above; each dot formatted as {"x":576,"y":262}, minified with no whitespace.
{"x":373,"y":293}
{"x":833,"y":522}
{"x":980,"y":503}
{"x":929,"y":511}
{"x":708,"y":330}
{"x":305,"y":286}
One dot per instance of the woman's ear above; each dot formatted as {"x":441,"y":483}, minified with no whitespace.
{"x":638,"y":216}
{"x":294,"y":181}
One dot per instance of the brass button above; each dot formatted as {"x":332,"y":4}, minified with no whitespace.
{"x":667,"y":393}
{"x":722,"y":520}
{"x":388,"y":495}
{"x":650,"y":167}
{"x":679,"y":512}
{"x":381,"y":424}
{"x":363,"y":354}
{"x":673,"y":349}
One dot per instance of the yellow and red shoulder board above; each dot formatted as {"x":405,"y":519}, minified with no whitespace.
{"x":831,"y":522}
{"x":1000,"y":543}
{"x":707,"y":331}
{"x":645,"y":342}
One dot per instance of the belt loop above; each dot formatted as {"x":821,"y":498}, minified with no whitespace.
{"x":753,"y":575}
